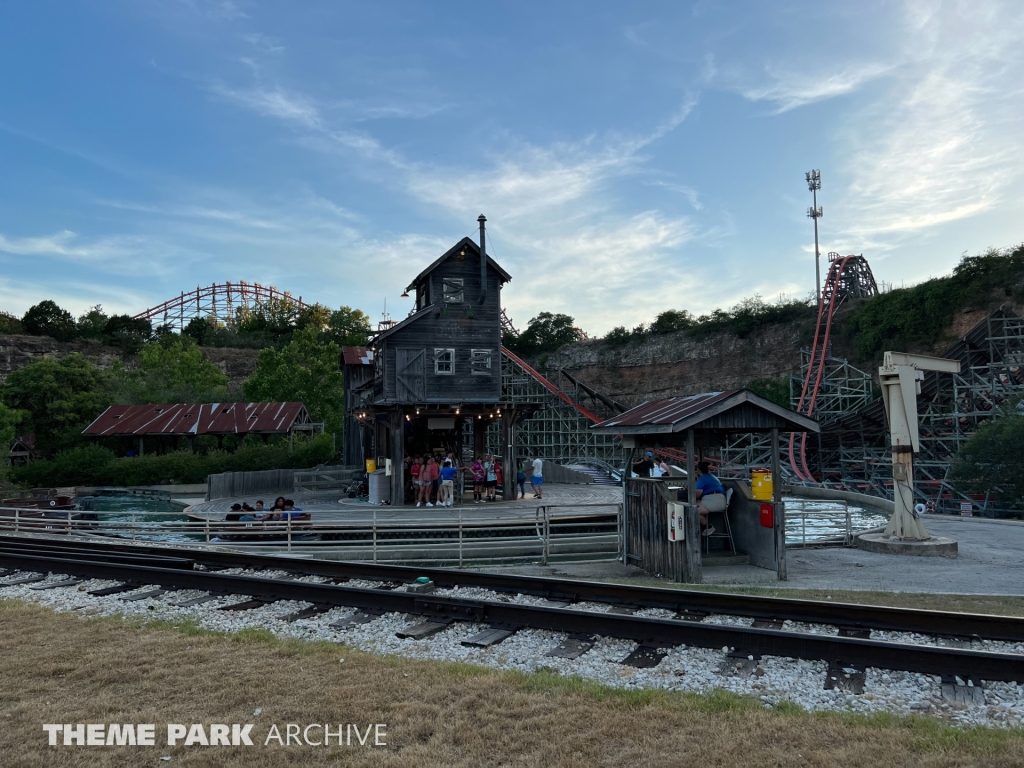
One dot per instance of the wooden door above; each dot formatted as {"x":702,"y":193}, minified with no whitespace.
{"x":410,"y":375}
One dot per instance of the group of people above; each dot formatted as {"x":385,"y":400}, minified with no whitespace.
{"x":710,"y":493}
{"x":431,"y":478}
{"x":283,"y":509}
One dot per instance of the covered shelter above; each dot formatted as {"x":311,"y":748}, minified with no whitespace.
{"x":699,"y":425}
{"x":169,"y":422}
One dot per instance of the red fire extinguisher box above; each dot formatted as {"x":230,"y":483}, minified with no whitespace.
{"x":768,"y":515}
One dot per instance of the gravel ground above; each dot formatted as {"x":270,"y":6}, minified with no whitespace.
{"x":772,"y":679}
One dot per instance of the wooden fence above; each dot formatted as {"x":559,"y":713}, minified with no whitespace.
{"x":646,"y":535}
{"x":227,"y":485}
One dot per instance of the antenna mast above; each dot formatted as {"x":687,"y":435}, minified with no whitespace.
{"x":814,"y":184}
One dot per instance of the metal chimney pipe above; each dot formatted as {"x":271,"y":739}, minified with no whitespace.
{"x":483,"y":259}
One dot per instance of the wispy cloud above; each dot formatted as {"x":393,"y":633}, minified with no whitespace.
{"x":944,"y":144}
{"x":790,"y":90}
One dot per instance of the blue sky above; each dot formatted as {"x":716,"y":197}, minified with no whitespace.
{"x":630,"y":157}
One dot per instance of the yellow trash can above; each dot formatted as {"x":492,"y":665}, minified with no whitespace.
{"x":371,"y":466}
{"x":761,"y":484}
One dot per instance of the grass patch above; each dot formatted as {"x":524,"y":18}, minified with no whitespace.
{"x":62,"y":668}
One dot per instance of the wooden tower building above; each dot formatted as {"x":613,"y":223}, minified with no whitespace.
{"x":436,"y":369}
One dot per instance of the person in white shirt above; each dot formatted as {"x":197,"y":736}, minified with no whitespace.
{"x":537,"y":480}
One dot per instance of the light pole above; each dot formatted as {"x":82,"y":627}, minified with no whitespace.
{"x":814,"y":184}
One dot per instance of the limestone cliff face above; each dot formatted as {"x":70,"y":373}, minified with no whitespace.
{"x":17,"y":351}
{"x":676,"y":364}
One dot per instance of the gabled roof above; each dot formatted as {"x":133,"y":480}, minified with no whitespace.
{"x":198,"y":419}
{"x":463,"y":243}
{"x":737,"y":410}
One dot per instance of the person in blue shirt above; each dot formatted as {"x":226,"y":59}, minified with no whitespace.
{"x":710,"y":495}
{"x":446,"y":495}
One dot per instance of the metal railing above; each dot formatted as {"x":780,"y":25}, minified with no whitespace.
{"x":577,"y":532}
{"x":827,"y":526}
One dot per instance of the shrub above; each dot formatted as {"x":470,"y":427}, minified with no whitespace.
{"x":94,"y":465}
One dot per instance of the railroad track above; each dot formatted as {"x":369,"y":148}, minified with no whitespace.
{"x":851,"y":650}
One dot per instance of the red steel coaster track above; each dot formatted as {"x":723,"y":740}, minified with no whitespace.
{"x":848,"y":276}
{"x":220,"y":301}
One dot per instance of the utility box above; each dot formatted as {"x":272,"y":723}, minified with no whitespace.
{"x":676,"y":521}
{"x":767,"y":515}
{"x":761,"y":485}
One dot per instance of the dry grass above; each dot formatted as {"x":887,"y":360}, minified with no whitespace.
{"x":61,"y":668}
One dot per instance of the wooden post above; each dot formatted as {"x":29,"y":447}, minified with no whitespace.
{"x":508,"y":442}
{"x":780,"y":511}
{"x":627,"y":473}
{"x":397,"y":458}
{"x":692,"y":563}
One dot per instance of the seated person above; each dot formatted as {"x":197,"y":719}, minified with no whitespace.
{"x":292,"y":512}
{"x":710,"y":495}
{"x":234,"y":515}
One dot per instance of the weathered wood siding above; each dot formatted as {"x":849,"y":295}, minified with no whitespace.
{"x":647,"y":544}
{"x":462,"y":326}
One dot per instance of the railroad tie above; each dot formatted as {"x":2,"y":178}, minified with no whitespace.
{"x":767,"y":623}
{"x":861,"y":632}
{"x":305,"y":613}
{"x":739,"y":663}
{"x":685,"y":615}
{"x":23,"y":580}
{"x":573,"y":646}
{"x":554,"y":603}
{"x":246,"y":605}
{"x":646,"y":655}
{"x":155,"y":592}
{"x":194,"y":601}
{"x":356,"y":618}
{"x":959,"y":691}
{"x":845,"y":677}
{"x":55,"y":584}
{"x":491,"y":636}
{"x":114,"y":590}
{"x":957,"y":641}
{"x":424,"y":629}
{"x":624,"y":609}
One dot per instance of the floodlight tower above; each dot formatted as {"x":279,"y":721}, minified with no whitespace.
{"x":814,"y":184}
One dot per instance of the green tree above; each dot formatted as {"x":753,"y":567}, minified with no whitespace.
{"x":349,"y":327}
{"x":545,"y":333}
{"x":10,"y":324}
{"x":307,"y":369}
{"x":992,"y":461}
{"x":127,"y":332}
{"x":47,"y":319}
{"x":92,"y":324}
{"x":273,"y":321}
{"x":776,"y":390}
{"x":60,"y":398}
{"x":172,"y":369}
{"x":10,"y":418}
{"x":200,"y":329}
{"x":672,"y":320}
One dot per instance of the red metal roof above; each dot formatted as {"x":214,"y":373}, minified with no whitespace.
{"x":667,"y":411}
{"x":736,"y":410}
{"x":357,"y":355}
{"x":198,"y":419}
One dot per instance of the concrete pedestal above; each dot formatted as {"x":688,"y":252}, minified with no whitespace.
{"x":936,"y":546}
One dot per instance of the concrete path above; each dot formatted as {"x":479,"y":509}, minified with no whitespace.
{"x":991,"y":562}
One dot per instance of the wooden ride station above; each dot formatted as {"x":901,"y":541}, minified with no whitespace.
{"x":427,"y":381}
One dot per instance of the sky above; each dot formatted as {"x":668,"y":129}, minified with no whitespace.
{"x":630,"y":157}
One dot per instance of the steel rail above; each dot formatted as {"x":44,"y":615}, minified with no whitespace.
{"x":941,"y":623}
{"x":934,"y":660}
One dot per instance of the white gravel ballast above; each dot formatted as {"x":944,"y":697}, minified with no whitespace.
{"x":770,"y":679}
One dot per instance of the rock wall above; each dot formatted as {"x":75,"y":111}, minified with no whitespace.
{"x":17,"y":351}
{"x":676,"y":364}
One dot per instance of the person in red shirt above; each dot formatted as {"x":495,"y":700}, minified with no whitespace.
{"x":431,"y":469}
